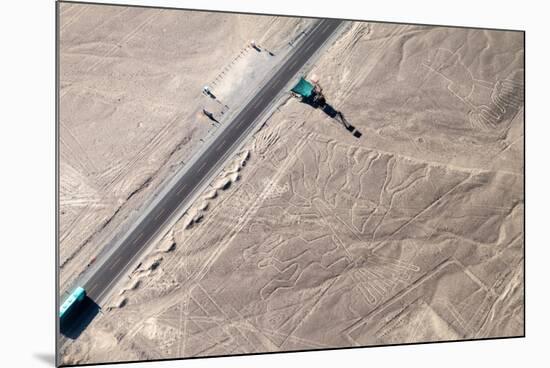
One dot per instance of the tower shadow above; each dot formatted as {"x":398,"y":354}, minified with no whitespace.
{"x":332,"y":113}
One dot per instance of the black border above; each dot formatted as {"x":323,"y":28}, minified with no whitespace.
{"x":57,"y":179}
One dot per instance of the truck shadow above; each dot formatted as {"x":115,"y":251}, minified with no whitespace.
{"x":72,"y":325}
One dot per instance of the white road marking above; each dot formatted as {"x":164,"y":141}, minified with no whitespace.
{"x":115,"y":263}
{"x":182,"y":188}
{"x":256,"y":103}
{"x":220,"y":145}
{"x":160,"y":213}
{"x":202,"y":166}
{"x":138,"y":237}
{"x":92,"y":288}
{"x":292,"y":65}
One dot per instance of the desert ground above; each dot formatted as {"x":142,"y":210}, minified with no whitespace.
{"x":311,"y":237}
{"x":131,"y":102}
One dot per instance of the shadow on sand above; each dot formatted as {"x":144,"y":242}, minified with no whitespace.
{"x":76,"y":322}
{"x":333,"y":113}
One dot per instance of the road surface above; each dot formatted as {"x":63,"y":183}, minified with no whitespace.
{"x":113,"y":268}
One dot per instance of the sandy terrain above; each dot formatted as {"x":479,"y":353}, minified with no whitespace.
{"x":130,"y":102}
{"x":313,"y":238}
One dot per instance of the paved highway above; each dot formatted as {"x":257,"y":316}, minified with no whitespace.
{"x":113,"y":268}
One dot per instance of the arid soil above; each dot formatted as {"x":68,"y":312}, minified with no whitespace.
{"x":313,"y":238}
{"x":130,"y":107}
